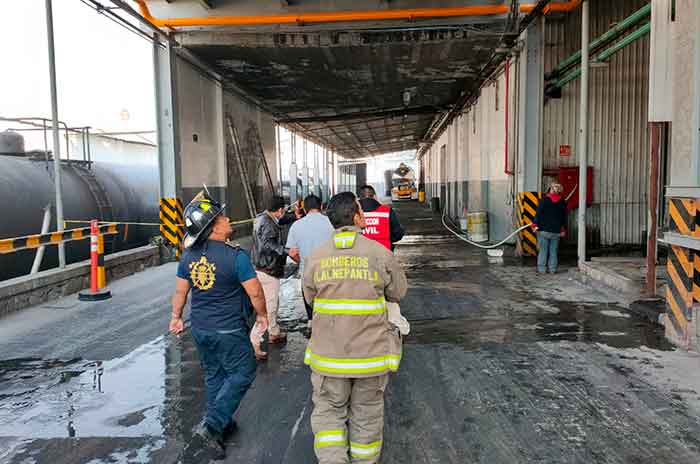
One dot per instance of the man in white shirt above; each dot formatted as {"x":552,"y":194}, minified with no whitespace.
{"x":308,"y":233}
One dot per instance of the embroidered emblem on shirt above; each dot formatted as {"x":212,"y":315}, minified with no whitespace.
{"x":202,"y":274}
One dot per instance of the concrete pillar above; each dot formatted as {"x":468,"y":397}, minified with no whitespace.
{"x":695,"y":118}
{"x":531,"y":104}
{"x":169,"y":163}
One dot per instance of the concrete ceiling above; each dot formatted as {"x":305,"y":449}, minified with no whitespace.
{"x":350,"y":89}
{"x":359,"y":91}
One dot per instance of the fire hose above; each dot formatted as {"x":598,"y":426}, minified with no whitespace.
{"x":478,"y":245}
{"x":496,"y":245}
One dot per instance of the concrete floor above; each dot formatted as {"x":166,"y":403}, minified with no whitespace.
{"x":502,"y":366}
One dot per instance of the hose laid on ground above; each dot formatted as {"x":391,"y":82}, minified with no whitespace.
{"x":485,"y":247}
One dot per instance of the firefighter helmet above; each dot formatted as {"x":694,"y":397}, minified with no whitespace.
{"x":200,"y":214}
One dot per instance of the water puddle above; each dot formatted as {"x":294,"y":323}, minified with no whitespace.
{"x":117,"y":398}
{"x":143,"y":394}
{"x":573,"y":322}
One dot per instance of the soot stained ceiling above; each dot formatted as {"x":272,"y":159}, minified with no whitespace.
{"x":359,"y":92}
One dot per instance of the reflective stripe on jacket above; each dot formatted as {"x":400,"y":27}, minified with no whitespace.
{"x":350,"y":279}
{"x":378,"y":226}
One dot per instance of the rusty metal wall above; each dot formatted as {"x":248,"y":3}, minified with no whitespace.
{"x":618,"y":145}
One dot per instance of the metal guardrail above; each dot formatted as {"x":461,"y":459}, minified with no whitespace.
{"x":152,"y":224}
{"x":10,"y":245}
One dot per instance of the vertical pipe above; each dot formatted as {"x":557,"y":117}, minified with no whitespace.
{"x":334,"y":159}
{"x":317,"y":172}
{"x":293,"y":171}
{"x":583,"y":142}
{"x":89,"y":150}
{"x":305,"y":170}
{"x":278,"y":133}
{"x":46,"y":141}
{"x":507,"y":118}
{"x":653,"y":198}
{"x":56,"y":137}
{"x":44,"y":230}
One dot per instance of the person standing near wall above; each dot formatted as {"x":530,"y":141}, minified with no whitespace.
{"x":550,"y":224}
{"x":269,"y":258}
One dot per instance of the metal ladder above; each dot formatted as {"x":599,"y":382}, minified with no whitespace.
{"x":236,"y":146}
{"x":266,"y":168}
{"x":99,"y":194}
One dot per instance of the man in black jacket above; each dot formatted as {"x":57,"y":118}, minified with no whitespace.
{"x":269,"y":258}
{"x":550,"y":224}
{"x":368,"y":201}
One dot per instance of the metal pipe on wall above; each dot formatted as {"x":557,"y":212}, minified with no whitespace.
{"x":653,"y":198}
{"x":583,"y":143}
{"x":56,"y":138}
{"x":305,"y":170}
{"x":607,"y":53}
{"x":279,"y":158}
{"x":614,"y":32}
{"x":507,"y":118}
{"x":293,"y":172}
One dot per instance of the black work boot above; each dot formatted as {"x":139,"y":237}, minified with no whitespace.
{"x":228,"y":432}
{"x":206,"y":445}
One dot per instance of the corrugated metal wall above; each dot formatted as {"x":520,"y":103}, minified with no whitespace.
{"x":618,"y":145}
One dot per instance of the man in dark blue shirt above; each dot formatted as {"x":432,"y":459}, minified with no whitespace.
{"x":223,"y":283}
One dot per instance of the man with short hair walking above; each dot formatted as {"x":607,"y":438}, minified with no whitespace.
{"x":353,"y":346}
{"x":307,"y":234}
{"x":383,"y":223}
{"x":269,"y":257}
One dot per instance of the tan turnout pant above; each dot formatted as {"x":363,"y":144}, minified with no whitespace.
{"x":348,"y":418}
{"x":271,"y":289}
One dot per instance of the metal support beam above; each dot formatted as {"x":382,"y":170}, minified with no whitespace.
{"x":317,"y":172}
{"x":530,"y":113}
{"x":695,"y":128}
{"x":653,"y":199}
{"x":293,"y":171}
{"x":169,"y":162}
{"x":305,"y":170}
{"x":514,"y":16}
{"x":278,"y":134}
{"x":583,"y":136}
{"x":56,"y":136}
{"x":391,"y":113}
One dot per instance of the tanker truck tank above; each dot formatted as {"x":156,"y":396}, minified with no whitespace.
{"x":11,"y":143}
{"x":114,"y":190}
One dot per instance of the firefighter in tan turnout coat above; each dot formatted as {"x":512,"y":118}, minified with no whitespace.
{"x":353,"y":346}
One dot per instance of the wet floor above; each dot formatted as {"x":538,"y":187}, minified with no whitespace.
{"x":501,"y":366}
